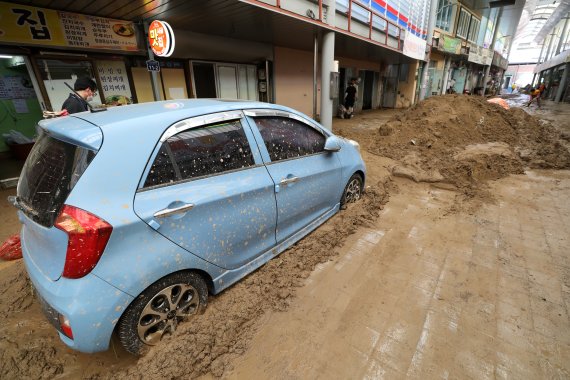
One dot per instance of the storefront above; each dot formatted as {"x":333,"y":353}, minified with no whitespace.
{"x":478,"y":57}
{"x":44,"y":51}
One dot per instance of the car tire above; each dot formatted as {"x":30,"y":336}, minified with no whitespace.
{"x":158,"y":310}
{"x":353,"y":190}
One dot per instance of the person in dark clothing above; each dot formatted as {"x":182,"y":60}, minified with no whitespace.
{"x":350,"y":96}
{"x":87,"y":89}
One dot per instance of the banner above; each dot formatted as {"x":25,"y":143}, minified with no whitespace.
{"x":449,"y":44}
{"x":38,"y":26}
{"x":414,"y":46}
{"x":480,"y":55}
{"x":499,"y":61}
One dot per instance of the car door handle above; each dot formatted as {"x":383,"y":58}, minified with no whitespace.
{"x":172,"y":211}
{"x":288,"y":180}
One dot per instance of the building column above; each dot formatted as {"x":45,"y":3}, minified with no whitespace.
{"x":563,"y":83}
{"x":563,"y":35}
{"x":495,"y":32}
{"x":547,"y":56}
{"x":431,"y":26}
{"x":446,"y":66}
{"x":327,"y":66}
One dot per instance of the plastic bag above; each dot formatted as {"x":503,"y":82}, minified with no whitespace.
{"x":11,"y":249}
{"x":15,"y":137}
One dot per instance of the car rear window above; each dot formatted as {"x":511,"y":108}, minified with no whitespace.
{"x":49,"y":174}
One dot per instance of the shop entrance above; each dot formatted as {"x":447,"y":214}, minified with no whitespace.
{"x":224,"y":80}
{"x":20,"y":111}
{"x":368,"y":90}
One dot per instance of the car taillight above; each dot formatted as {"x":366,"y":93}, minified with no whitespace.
{"x":88,"y":235}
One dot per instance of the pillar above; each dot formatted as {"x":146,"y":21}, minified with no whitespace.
{"x":327,"y":66}
{"x":563,"y":83}
{"x":431,"y":26}
{"x":446,"y":66}
{"x":495,"y":31}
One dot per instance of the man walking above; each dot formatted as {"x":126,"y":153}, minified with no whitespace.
{"x":86,"y":88}
{"x":350,"y":96}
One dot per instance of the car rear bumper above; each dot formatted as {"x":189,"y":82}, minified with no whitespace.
{"x":92,"y":306}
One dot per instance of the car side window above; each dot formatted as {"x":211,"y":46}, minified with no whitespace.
{"x":162,"y":170}
{"x":201,"y":151}
{"x":287,"y":138}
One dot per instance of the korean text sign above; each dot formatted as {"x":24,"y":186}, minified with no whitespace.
{"x":38,"y":26}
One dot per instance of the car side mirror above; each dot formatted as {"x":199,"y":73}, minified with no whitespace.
{"x":332,"y":144}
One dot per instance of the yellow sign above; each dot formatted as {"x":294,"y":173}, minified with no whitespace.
{"x":20,"y":24}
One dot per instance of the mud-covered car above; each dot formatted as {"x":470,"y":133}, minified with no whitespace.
{"x":132,"y":216}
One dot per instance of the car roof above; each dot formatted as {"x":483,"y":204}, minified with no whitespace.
{"x":169,"y":110}
{"x":153,"y":118}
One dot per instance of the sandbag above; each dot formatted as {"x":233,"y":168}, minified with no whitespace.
{"x":11,"y":249}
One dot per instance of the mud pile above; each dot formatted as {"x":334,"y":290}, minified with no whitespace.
{"x":465,"y":141}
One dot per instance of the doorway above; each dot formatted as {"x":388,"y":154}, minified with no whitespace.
{"x":368,"y":90}
{"x":224,"y":80}
{"x":20,"y":111}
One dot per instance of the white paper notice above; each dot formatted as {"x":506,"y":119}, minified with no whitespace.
{"x":20,"y":105}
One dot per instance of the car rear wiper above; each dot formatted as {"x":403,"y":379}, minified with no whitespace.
{"x":20,"y":205}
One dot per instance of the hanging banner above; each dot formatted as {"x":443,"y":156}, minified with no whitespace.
{"x":161,"y":38}
{"x":26,"y":25}
{"x":480,"y":55}
{"x":499,"y":61}
{"x":414,"y":46}
{"x":449,"y":44}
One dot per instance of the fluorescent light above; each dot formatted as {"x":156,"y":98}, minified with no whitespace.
{"x":6,"y":56}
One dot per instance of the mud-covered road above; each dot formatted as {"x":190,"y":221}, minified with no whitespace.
{"x":454,"y":265}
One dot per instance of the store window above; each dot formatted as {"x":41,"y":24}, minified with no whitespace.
{"x":463,"y":23}
{"x":224,"y":80}
{"x":114,"y":81}
{"x":56,"y":73}
{"x":474,"y":29}
{"x":444,"y":15}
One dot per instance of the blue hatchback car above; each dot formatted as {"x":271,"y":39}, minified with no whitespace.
{"x":132,"y":216}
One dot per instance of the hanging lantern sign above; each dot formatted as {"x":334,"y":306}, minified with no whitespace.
{"x":161,"y":38}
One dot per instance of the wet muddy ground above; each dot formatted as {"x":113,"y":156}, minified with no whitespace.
{"x":466,"y":276}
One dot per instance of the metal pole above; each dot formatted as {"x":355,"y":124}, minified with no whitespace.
{"x":431,"y":26}
{"x":153,"y":74}
{"x":495,"y":31}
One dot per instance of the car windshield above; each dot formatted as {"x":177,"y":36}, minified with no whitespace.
{"x":49,"y":174}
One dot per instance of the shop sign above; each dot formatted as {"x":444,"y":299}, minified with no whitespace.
{"x":38,"y":26}
{"x":499,"y":61}
{"x":480,"y":55}
{"x":161,"y":38}
{"x":115,"y":86}
{"x":152,"y":65}
{"x":449,"y":44}
{"x":414,"y":46}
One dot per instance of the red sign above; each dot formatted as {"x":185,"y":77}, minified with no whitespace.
{"x":161,"y":38}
